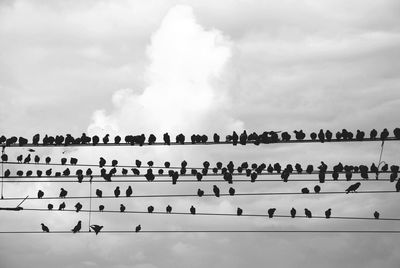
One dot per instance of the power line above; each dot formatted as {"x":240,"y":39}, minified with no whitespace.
{"x":194,"y":195}
{"x":190,"y":143}
{"x":211,"y":214}
{"x":213,"y":231}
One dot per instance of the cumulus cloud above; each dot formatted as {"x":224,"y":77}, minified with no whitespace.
{"x":185,"y":76}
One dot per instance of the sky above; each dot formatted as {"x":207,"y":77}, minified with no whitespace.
{"x":130,"y":67}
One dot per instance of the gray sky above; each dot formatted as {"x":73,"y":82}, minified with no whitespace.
{"x":123,"y":67}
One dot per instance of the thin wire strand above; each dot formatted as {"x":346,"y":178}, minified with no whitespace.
{"x":213,"y":231}
{"x":194,"y":195}
{"x":16,"y":145}
{"x":212,"y":214}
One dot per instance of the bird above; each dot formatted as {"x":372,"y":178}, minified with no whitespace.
{"x":37,"y":159}
{"x":200,"y":192}
{"x":167,"y":139}
{"x":308,"y":213}
{"x":78,"y":207}
{"x":40,"y":194}
{"x":47,"y":160}
{"x":20,"y":173}
{"x":376,"y":215}
{"x":117,"y":139}
{"x":239,"y":211}
{"x":19,"y":158}
{"x":216,"y":190}
{"x":293,"y":212}
{"x":50,"y":206}
{"x":36,"y":139}
{"x":99,"y":193}
{"x":95,"y":140}
{"x":353,"y":187}
{"x":45,"y":228}
{"x":62,"y":206}
{"x":398,"y":186}
{"x":192,"y":210}
{"x":328,"y":213}
{"x":129,"y":191}
{"x":384,"y":134}
{"x":373,"y":134}
{"x":102,"y":162}
{"x":150,"y":209}
{"x":73,"y":161}
{"x":63,"y":193}
{"x":231,"y":191}
{"x":117,"y":192}
{"x":77,"y":227}
{"x":7,"y":173}
{"x":63,"y":161}
{"x":27,"y":159}
{"x":138,"y":228}
{"x":122,"y":208}
{"x":96,"y":228}
{"x":4,"y":157}
{"x":305,"y":190}
{"x":271,"y":212}
{"x":106,"y":139}
{"x":136,"y":171}
{"x":101,"y":208}
{"x":317,"y":189}
{"x":168,"y":209}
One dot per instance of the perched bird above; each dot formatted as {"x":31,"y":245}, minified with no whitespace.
{"x":168,"y":209}
{"x":73,"y":161}
{"x":299,"y":134}
{"x":106,"y":139}
{"x":136,"y":171}
{"x":138,"y":228}
{"x":4,"y":157}
{"x":293,"y":212}
{"x":101,"y":208}
{"x":117,"y":139}
{"x":231,"y":191}
{"x":50,"y":206}
{"x":114,"y":163}
{"x":19,"y":158}
{"x":63,"y":193}
{"x":99,"y":193}
{"x":308,"y":213}
{"x":192,"y":210}
{"x":48,"y":160}
{"x":27,"y":159}
{"x":63,"y":161}
{"x":40,"y":194}
{"x":200,"y":192}
{"x":78,"y":207}
{"x":150,"y":209}
{"x":167,"y":139}
{"x":61,"y":206}
{"x":138,"y":163}
{"x":328,"y":213}
{"x":216,"y":190}
{"x":7,"y":173}
{"x":373,"y":134}
{"x":398,"y":186}
{"x":77,"y":227}
{"x":20,"y":173}
{"x":317,"y":189}
{"x":305,"y":190}
{"x":45,"y":228}
{"x":353,"y":187}
{"x":239,"y":211}
{"x":376,"y":215}
{"x":95,"y":140}
{"x":122,"y":208}
{"x":384,"y":134}
{"x":129,"y":191}
{"x":310,"y":169}
{"x":271,"y":212}
{"x":117,"y":191}
{"x":124,"y":171}
{"x":102,"y":162}
{"x":37,"y":159}
{"x":96,"y":228}
{"x":36,"y":139}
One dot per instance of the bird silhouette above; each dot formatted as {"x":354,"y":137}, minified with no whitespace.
{"x":63,"y":193}
{"x":101,"y":208}
{"x":231,"y":191}
{"x":40,"y":194}
{"x":317,"y":189}
{"x":77,"y":227}
{"x":168,"y":209}
{"x":373,"y":134}
{"x":19,"y":158}
{"x":200,"y":192}
{"x":117,"y":139}
{"x":63,"y":161}
{"x":95,"y":140}
{"x":45,"y":228}
{"x":129,"y":191}
{"x":149,"y":175}
{"x":353,"y":187}
{"x":61,"y":206}
{"x":50,"y":206}
{"x":96,"y":228}
{"x":150,"y":209}
{"x":73,"y":161}
{"x":305,"y":190}
{"x":102,"y":162}
{"x":308,"y":213}
{"x":328,"y":213}
{"x":167,"y":139}
{"x":216,"y":190}
{"x":106,"y":139}
{"x":7,"y":173}
{"x":48,"y":160}
{"x":36,"y":139}
{"x":239,"y":211}
{"x":99,"y":193}
{"x":114,"y":163}
{"x":398,"y":186}
{"x":192,"y":210}
{"x":136,"y":171}
{"x":271,"y":212}
{"x":78,"y":207}
{"x":293,"y":212}
{"x":27,"y":159}
{"x":117,"y":191}
{"x":309,"y":169}
{"x":384,"y":134}
{"x":376,"y":215}
{"x":4,"y":157}
{"x":20,"y":173}
{"x":122,"y":208}
{"x":138,"y":228}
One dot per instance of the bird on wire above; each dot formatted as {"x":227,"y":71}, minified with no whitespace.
{"x":96,"y":228}
{"x":293,"y":212}
{"x":45,"y":229}
{"x":77,"y":227}
{"x":353,"y":188}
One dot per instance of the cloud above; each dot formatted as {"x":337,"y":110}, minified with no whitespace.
{"x":185,"y":77}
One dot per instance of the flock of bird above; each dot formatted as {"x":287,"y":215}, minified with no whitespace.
{"x":96,"y":228}
{"x":234,"y":138}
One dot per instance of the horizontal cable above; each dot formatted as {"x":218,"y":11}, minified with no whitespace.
{"x":190,"y":143}
{"x":194,"y":195}
{"x":192,"y":181}
{"x":209,"y":214}
{"x":213,"y":231}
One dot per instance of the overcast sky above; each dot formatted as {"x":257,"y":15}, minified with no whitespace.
{"x":130,"y":67}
